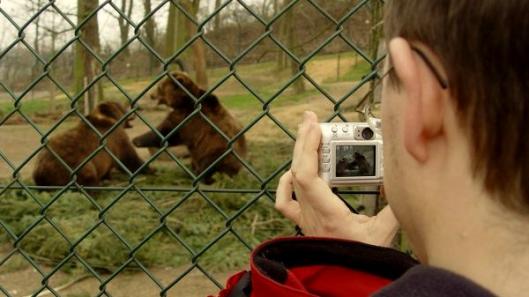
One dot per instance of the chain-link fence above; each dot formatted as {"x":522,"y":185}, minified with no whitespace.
{"x":168,"y":226}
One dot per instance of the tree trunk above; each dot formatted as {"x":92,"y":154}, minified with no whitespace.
{"x":170,"y":34}
{"x":51,"y":87}
{"x":199,"y":52}
{"x":177,"y":31}
{"x":338,"y":62}
{"x":124,"y":25}
{"x":84,"y":62}
{"x":377,"y":14}
{"x":150,"y":29}
{"x":299,"y":84}
{"x":276,"y":6}
{"x":216,"y":25}
{"x":181,"y":30}
{"x":36,"y":44}
{"x":284,"y":24}
{"x":199,"y":59}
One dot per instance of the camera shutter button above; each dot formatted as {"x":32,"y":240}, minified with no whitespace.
{"x":334,"y":129}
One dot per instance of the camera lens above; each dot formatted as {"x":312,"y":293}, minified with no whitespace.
{"x":368,"y":134}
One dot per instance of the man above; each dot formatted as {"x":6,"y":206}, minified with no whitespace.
{"x":454,"y":113}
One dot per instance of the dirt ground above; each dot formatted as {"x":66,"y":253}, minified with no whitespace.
{"x":26,"y":281}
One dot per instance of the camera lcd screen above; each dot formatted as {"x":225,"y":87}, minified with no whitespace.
{"x":355,"y":160}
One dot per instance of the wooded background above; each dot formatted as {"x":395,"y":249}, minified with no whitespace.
{"x":165,"y":31}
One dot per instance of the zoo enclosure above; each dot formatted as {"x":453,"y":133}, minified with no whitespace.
{"x":101,"y":69}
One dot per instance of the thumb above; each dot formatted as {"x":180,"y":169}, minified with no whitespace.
{"x":285,"y":204}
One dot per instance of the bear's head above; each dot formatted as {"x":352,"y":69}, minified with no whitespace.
{"x":108,"y":113}
{"x":170,"y":93}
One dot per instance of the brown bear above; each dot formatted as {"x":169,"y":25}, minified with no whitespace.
{"x":78,"y":143}
{"x":205,"y":145}
{"x":360,"y":162}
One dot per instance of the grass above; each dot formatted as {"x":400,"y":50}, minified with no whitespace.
{"x":241,"y":101}
{"x":357,"y":72}
{"x":32,"y":107}
{"x":15,"y":263}
{"x":195,"y":221}
{"x":136,"y":220}
{"x":350,"y":54}
{"x":249,"y":102}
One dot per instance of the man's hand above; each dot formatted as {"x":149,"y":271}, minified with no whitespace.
{"x":316,"y":210}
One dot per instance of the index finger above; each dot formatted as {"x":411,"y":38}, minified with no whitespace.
{"x":309,"y":153}
{"x":308,"y":119}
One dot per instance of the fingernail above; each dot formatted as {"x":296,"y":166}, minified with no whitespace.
{"x":306,"y":115}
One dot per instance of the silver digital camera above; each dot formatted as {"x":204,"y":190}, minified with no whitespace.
{"x":350,"y":154}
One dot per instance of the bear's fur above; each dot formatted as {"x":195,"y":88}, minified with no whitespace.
{"x":362,"y":164}
{"x":76,"y":144}
{"x":204,"y":143}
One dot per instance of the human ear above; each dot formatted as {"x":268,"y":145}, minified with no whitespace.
{"x":423,"y":109}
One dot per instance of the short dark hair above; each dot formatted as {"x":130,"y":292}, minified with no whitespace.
{"x":484,"y":47}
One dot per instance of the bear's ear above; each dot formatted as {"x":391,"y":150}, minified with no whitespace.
{"x":124,"y":108}
{"x":188,"y":83}
{"x":212,"y":102}
{"x":129,"y":120}
{"x":195,"y":89}
{"x":100,"y":120}
{"x":110,"y":109}
{"x":105,"y":114}
{"x":178,"y":76}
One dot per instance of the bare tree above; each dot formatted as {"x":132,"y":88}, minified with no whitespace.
{"x":85,"y":63}
{"x":179,"y":28}
{"x":299,"y":85}
{"x":33,"y":7}
{"x":283,"y":23}
{"x":176,"y":30}
{"x":377,"y":13}
{"x":150,"y":29}
{"x":287,"y":34}
{"x":199,"y":52}
{"x":53,"y":32}
{"x":216,"y":25}
{"x":376,"y":34}
{"x":126,"y":8}
{"x":170,"y":33}
{"x":266,"y":12}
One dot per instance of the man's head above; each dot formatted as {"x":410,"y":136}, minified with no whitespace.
{"x":445,"y":145}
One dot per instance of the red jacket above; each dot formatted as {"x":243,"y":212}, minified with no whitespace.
{"x":304,"y":266}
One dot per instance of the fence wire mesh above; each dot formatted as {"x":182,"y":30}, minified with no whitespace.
{"x":89,"y":230}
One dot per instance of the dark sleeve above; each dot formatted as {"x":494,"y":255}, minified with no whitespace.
{"x":426,"y":281}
